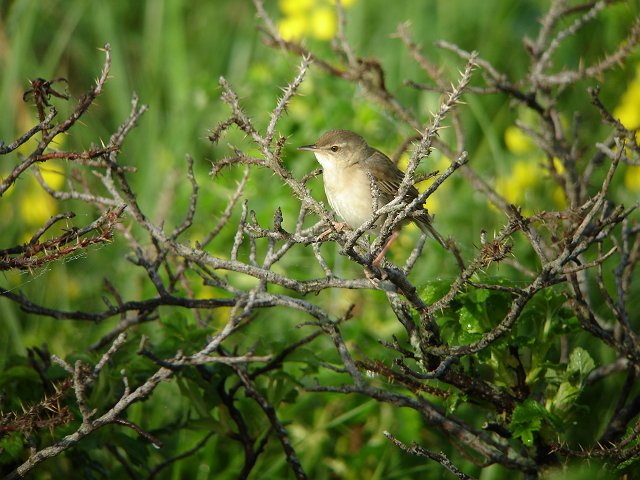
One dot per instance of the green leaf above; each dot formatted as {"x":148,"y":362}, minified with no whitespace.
{"x":527,"y":438}
{"x":280,"y":388}
{"x":534,"y":375}
{"x":479,"y":295}
{"x":581,"y":363}
{"x":470,"y":320}
{"x":434,"y":291}
{"x":627,"y":463}
{"x":528,"y":411}
{"x":526,"y":420}
{"x":11,"y":447}
{"x":565,"y":397}
{"x":191,"y":391}
{"x":453,"y":401}
{"x":466,"y":338}
{"x":176,"y":326}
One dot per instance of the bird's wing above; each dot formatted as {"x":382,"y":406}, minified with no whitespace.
{"x":387,"y":175}
{"x":388,"y":178}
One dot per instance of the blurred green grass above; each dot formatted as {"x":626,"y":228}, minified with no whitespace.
{"x":171,"y":53}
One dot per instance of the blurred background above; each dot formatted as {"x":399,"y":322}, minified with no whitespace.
{"x":171,"y":53}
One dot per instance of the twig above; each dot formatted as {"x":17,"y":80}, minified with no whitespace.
{"x":441,"y":458}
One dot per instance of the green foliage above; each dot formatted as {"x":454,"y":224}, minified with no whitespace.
{"x":527,"y":420}
{"x":11,"y":447}
{"x":564,"y":385}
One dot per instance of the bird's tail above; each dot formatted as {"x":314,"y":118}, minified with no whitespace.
{"x":424,"y":222}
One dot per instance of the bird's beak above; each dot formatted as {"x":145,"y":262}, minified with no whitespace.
{"x":311,"y":148}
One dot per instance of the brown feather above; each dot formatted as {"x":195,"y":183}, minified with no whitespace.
{"x":389,"y":178}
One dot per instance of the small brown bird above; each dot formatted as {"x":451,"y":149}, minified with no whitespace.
{"x":346,"y":158}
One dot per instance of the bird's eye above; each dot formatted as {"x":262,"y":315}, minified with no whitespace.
{"x":334,"y":148}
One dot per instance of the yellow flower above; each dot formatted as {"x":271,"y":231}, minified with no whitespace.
{"x":559,"y":198}
{"x":309,"y":17}
{"x":516,"y":141}
{"x":632,"y":178}
{"x":433,"y":203}
{"x":403,"y":161}
{"x":295,"y":7}
{"x":558,"y":165}
{"x":52,"y":177}
{"x":345,"y":3}
{"x":26,"y":122}
{"x":323,"y":22}
{"x":525,"y":174}
{"x":628,"y":110}
{"x":293,"y":27}
{"x":37,"y":206}
{"x":9,"y":190}
{"x":507,"y":188}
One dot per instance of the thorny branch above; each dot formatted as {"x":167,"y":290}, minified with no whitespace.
{"x":570,"y":247}
{"x":441,"y":458}
{"x":589,"y":222}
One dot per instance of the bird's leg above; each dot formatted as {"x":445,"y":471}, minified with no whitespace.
{"x":392,"y":238}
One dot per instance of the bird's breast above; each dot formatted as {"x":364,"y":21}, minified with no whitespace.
{"x":349,"y":193}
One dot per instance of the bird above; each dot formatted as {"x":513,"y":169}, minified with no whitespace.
{"x":349,"y":165}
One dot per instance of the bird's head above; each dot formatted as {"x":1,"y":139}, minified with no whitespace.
{"x":338,"y":148}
